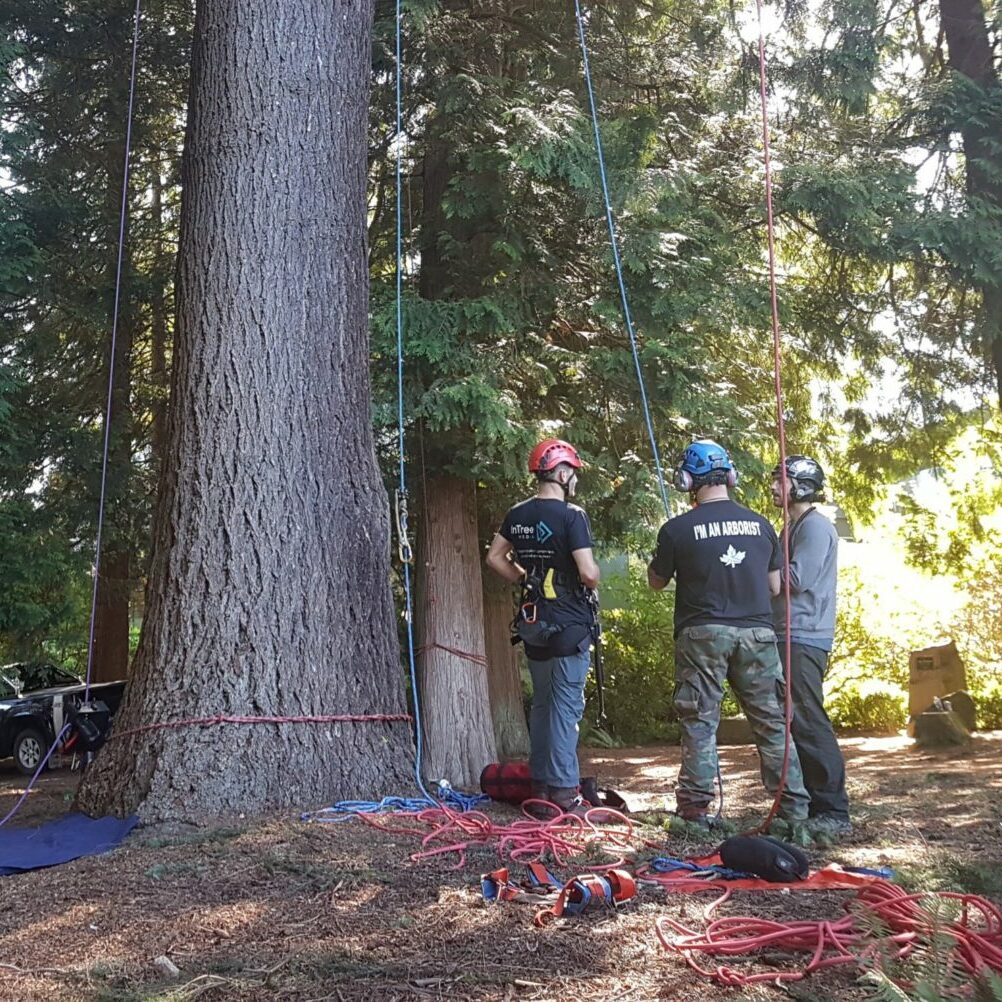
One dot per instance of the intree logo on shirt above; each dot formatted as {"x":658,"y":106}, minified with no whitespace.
{"x":732,"y":557}
{"x":543,"y":532}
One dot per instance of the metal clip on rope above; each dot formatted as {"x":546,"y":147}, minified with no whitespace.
{"x":403,"y":542}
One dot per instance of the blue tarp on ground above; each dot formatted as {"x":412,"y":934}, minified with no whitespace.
{"x":59,"y":841}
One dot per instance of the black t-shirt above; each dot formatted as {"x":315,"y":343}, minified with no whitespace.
{"x":720,"y":554}
{"x":545,"y":532}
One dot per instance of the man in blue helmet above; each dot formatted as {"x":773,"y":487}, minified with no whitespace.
{"x":813,"y":544}
{"x":725,"y":559}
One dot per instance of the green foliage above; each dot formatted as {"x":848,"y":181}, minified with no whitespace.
{"x":884,"y":711}
{"x":859,"y":654}
{"x":868,"y":671}
{"x":639,"y":664}
{"x":988,"y":702}
{"x":61,"y":157}
{"x":513,"y":324}
{"x":930,"y":971}
{"x":946,"y":872}
{"x":40,"y":577}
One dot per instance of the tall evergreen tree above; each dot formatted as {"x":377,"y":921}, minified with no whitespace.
{"x":66,"y":97}
{"x":514,"y":325}
{"x":269,"y":590}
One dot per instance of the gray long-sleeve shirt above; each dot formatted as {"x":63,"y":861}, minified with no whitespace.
{"x":813,"y":580}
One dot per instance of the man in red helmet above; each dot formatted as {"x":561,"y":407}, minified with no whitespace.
{"x":545,"y":545}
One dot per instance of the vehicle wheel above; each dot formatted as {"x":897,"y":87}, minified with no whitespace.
{"x":30,"y":747}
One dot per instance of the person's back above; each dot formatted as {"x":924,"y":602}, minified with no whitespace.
{"x":725,"y":559}
{"x":544,"y":533}
{"x":721,"y":553}
{"x":545,"y":545}
{"x":813,"y":580}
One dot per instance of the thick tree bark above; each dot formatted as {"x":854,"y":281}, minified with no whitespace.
{"x":455,"y":707}
{"x":504,"y":681}
{"x":966,"y":28}
{"x":269,"y":587}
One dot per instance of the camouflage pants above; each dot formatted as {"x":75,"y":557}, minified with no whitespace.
{"x":747,"y":658}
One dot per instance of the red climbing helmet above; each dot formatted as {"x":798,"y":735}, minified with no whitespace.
{"x":550,"y":453}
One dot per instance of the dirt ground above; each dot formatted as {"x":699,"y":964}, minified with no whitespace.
{"x":281,"y":909}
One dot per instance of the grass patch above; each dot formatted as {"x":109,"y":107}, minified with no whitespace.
{"x":194,"y":838}
{"x":320,"y":876}
{"x":338,"y":966}
{"x":947,"y":874}
{"x":166,"y":871}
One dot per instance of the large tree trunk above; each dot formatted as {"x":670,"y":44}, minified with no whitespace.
{"x":455,"y":708}
{"x":966,"y":28}
{"x":269,"y":587}
{"x":504,"y":680}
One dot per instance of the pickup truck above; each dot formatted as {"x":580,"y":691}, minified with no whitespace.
{"x":34,"y":703}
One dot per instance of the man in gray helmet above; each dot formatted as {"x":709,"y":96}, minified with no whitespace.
{"x":813,"y":545}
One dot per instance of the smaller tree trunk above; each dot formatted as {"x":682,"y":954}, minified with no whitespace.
{"x":110,"y":659}
{"x":111,"y":617}
{"x":504,"y":679}
{"x":965,"y":24}
{"x":452,"y":677}
{"x":158,"y":325}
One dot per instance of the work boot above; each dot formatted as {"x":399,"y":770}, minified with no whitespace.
{"x":828,"y":825}
{"x":694,"y":814}
{"x":542,"y":811}
{"x":569,"y":800}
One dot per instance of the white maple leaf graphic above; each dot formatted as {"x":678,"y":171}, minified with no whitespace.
{"x":732,"y":557}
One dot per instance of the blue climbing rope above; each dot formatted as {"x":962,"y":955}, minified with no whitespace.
{"x":405,"y":553}
{"x":445,"y":794}
{"x":614,"y":243}
{"x":624,"y":298}
{"x":344,"y":810}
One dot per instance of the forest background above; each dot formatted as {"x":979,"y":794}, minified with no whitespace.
{"x":887,"y":129}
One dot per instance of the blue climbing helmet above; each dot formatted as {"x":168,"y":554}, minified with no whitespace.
{"x":701,"y":463}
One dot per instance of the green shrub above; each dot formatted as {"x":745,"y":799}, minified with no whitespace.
{"x":639,"y":655}
{"x":874,"y":707}
{"x":988,"y":702}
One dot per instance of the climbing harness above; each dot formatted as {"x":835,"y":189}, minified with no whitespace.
{"x":541,"y":615}
{"x":611,"y":888}
{"x":539,"y":886}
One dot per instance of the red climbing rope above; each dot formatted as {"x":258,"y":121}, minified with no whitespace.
{"x":477,"y":659}
{"x":443,"y":832}
{"x":780,"y":418}
{"x":973,"y":939}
